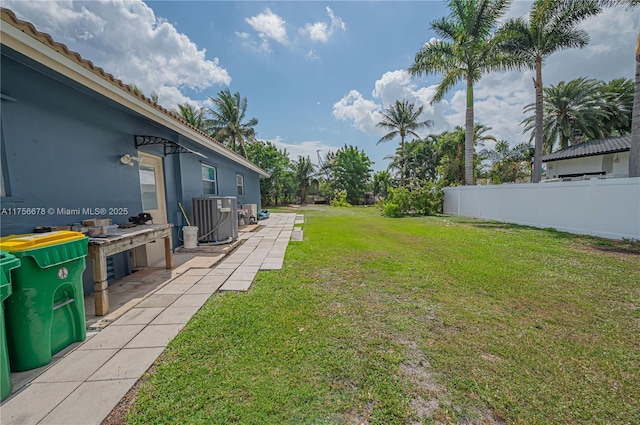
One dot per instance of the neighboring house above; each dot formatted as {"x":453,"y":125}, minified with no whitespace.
{"x":66,"y":126}
{"x":605,"y":157}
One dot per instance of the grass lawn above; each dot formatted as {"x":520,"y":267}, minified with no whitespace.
{"x":413,"y":320}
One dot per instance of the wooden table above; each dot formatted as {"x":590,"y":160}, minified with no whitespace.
{"x":118,"y":241}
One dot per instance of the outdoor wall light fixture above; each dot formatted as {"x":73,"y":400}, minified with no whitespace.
{"x":616,"y":159}
{"x":127,"y":159}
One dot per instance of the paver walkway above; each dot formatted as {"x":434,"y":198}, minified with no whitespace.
{"x":85,"y":385}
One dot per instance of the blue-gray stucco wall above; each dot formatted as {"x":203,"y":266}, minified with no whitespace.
{"x":61,"y":149}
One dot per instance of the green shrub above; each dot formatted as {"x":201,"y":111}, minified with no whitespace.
{"x":340,"y":199}
{"x":391,"y":209}
{"x":422,"y":198}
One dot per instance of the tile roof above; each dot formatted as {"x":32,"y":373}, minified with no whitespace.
{"x":594,"y":147}
{"x":28,"y":28}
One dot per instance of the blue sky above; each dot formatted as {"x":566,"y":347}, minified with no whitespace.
{"x":316,"y":74}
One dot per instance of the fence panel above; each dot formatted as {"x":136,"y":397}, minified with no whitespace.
{"x":599,"y":207}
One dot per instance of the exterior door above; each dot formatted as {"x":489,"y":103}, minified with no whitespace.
{"x":154,"y":203}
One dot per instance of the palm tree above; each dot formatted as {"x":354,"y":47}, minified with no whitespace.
{"x":467,"y":49}
{"x":634,"y":153}
{"x":572,"y":114}
{"x":227,"y":122}
{"x":193,"y":115}
{"x":450,"y":144}
{"x":617,"y":103}
{"x":304,"y":170}
{"x":552,"y":26}
{"x":402,"y":120}
{"x":421,"y":157}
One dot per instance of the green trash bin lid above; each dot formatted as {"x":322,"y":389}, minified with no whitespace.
{"x":8,"y":262}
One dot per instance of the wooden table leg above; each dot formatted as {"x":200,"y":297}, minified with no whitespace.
{"x":100,"y":286}
{"x":168,"y":256}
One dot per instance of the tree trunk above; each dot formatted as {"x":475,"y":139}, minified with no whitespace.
{"x":537,"y":156}
{"x":634,"y":153}
{"x":468,"y":137}
{"x":403,"y":172}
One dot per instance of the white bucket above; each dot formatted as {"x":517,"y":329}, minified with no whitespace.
{"x":190,"y":234}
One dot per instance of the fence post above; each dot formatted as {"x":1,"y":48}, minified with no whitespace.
{"x":592,"y":188}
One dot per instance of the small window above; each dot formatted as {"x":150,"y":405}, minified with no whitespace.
{"x":240,"y":184}
{"x":209,"y":180}
{"x":148,"y":187}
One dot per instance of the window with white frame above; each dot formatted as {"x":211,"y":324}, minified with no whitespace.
{"x":209,"y":180}
{"x":240,"y":184}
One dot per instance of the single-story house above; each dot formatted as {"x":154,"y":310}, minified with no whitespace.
{"x":604,"y":157}
{"x":78,"y":143}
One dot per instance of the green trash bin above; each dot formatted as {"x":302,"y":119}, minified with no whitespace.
{"x":46,"y":311}
{"x":7,"y":263}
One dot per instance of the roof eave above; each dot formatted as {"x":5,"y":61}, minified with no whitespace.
{"x":81,"y":71}
{"x":584,"y":156}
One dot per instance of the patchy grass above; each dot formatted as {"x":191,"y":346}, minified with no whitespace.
{"x":413,"y":320}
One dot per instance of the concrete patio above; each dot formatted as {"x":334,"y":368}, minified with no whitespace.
{"x":87,"y":380}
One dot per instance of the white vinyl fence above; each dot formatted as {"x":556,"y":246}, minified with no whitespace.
{"x":608,"y":208}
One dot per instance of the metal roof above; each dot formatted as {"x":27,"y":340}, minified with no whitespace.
{"x":594,"y":147}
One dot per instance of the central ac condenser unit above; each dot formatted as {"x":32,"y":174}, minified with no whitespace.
{"x":216,"y":218}
{"x":251,"y":213}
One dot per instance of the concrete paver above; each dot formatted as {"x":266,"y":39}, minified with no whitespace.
{"x":127,"y":363}
{"x":35,"y":402}
{"x":139,"y":316}
{"x":185,"y":279}
{"x":175,"y":315}
{"x":191,"y":300}
{"x":204,"y":288}
{"x":236,"y":285}
{"x":159,"y":300}
{"x":212,"y":278}
{"x":197,"y":272}
{"x":78,"y":366}
{"x":177,"y":288}
{"x":90,"y":403}
{"x":113,"y":336}
{"x":155,"y":336}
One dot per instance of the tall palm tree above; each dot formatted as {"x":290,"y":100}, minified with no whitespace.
{"x":228,"y":124}
{"x":304,"y":170}
{"x":552,"y":26}
{"x":193,"y":115}
{"x":402,"y":120}
{"x":634,"y":153}
{"x":572,"y":114}
{"x":467,"y":49}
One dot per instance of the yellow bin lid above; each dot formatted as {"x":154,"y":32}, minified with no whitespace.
{"x":37,"y":240}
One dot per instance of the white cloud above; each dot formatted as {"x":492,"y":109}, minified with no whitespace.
{"x":322,"y":31}
{"x":269,"y":26}
{"x":499,"y":109}
{"x":392,"y":86}
{"x":364,"y":113}
{"x":304,"y":149}
{"x":312,"y":56}
{"x":107,"y":32}
{"x":318,"y":31}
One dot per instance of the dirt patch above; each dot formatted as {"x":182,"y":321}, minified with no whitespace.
{"x":431,"y":398}
{"x":619,"y":248}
